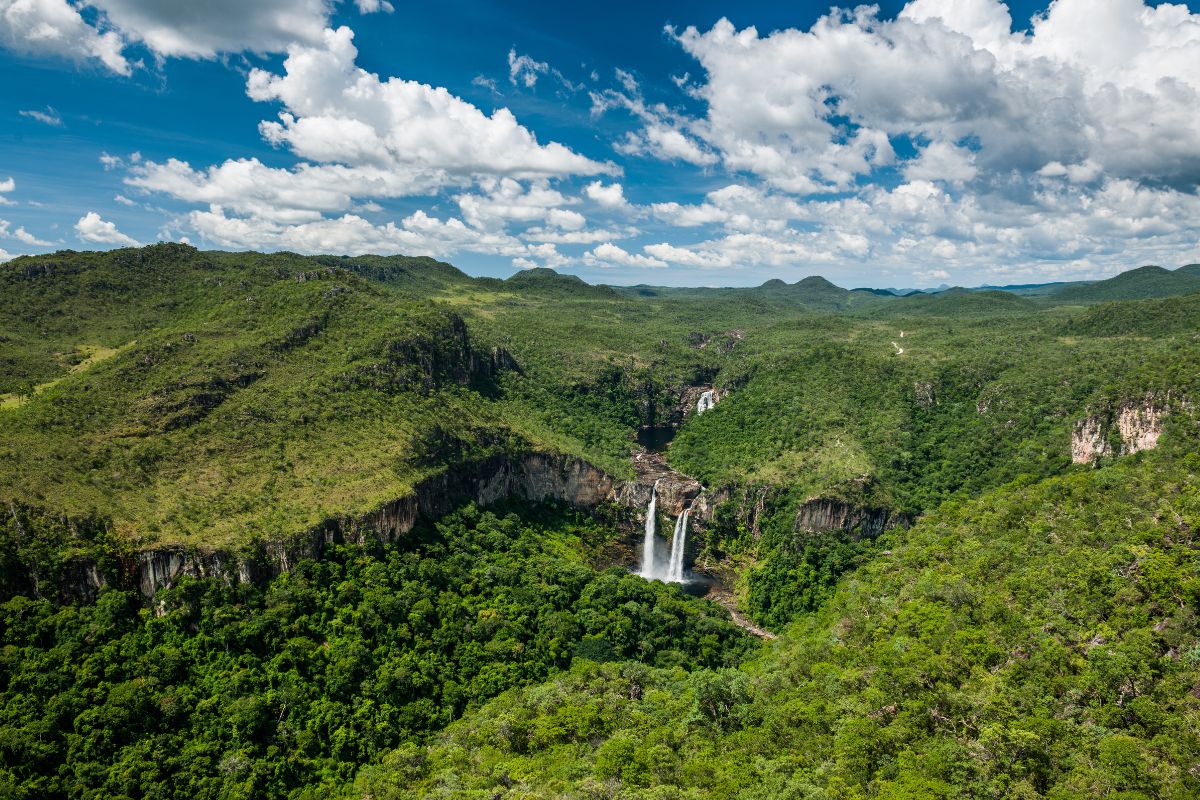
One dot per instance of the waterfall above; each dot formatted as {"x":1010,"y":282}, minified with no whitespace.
{"x":648,"y":543}
{"x":705,"y":402}
{"x":651,"y":570}
{"x":678,"y":543}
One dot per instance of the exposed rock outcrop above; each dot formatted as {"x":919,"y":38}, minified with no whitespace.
{"x":530,"y":476}
{"x":1133,"y":426}
{"x":925,"y":393}
{"x":1088,"y":441}
{"x":676,"y":491}
{"x":824,"y":514}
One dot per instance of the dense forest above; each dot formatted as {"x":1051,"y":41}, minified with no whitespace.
{"x":284,"y":526}
{"x":245,"y":691}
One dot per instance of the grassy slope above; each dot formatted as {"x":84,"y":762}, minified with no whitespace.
{"x":259,"y":404}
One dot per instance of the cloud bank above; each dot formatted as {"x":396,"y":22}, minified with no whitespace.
{"x":939,"y":142}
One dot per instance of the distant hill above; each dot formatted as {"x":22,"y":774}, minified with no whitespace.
{"x":543,"y":280}
{"x":814,"y":292}
{"x":1034,"y":289}
{"x":1142,"y":283}
{"x":1164,"y":316}
{"x":957,"y":302}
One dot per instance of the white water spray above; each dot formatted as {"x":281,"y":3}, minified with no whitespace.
{"x":678,"y":544}
{"x":648,"y":543}
{"x":705,"y":402}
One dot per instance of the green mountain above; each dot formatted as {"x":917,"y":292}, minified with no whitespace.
{"x":547,"y":281}
{"x":957,"y":302}
{"x":1136,"y":284}
{"x":286,"y":526}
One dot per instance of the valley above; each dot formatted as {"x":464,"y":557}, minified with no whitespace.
{"x":288,"y":526}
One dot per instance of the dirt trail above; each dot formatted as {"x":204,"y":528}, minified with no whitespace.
{"x":899,"y":349}
{"x":739,"y":619}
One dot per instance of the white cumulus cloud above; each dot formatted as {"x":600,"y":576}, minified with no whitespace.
{"x":1115,"y":83}
{"x":608,"y":254}
{"x":169,"y":28}
{"x":364,"y":139}
{"x":92,"y":228}
{"x":55,"y":28}
{"x":610,"y":196}
{"x":25,"y":237}
{"x":336,"y":111}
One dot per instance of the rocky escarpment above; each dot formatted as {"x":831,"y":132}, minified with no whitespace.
{"x":530,"y":476}
{"x":676,"y":491}
{"x":861,"y":522}
{"x":1133,"y":426}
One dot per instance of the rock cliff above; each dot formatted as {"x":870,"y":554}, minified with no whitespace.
{"x":1134,"y":425}
{"x":824,"y":514}
{"x":531,"y":476}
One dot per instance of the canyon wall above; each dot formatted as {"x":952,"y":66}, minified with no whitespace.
{"x":1134,"y":425}
{"x":530,"y":476}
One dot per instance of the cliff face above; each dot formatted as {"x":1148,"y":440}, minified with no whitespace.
{"x":1135,"y":424}
{"x":530,"y":476}
{"x":676,"y":491}
{"x":823,"y":514}
{"x":1088,"y":441}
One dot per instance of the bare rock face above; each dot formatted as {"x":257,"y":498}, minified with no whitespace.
{"x":530,"y":476}
{"x":1139,"y":426}
{"x":824,"y":514}
{"x":925,"y":394}
{"x":1137,"y":423}
{"x":1088,"y":441}
{"x":676,"y":491}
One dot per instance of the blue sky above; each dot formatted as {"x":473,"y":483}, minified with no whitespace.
{"x":701,"y":143}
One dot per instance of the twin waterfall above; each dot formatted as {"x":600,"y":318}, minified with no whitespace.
{"x":672,"y":571}
{"x":651,"y":570}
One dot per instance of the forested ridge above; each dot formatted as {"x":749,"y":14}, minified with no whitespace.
{"x":968,"y":516}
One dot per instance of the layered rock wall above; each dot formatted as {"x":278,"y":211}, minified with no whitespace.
{"x":1135,"y":425}
{"x":530,"y":476}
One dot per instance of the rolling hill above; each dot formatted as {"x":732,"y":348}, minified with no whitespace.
{"x":1136,"y":284}
{"x":369,"y":527}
